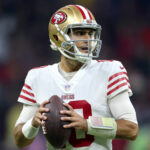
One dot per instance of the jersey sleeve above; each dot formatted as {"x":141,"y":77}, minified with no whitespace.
{"x":118,"y":80}
{"x":27,"y":95}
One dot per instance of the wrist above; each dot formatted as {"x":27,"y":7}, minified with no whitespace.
{"x":102,"y":127}
{"x":28,"y":130}
{"x":34,"y":124}
{"x":86,"y":125}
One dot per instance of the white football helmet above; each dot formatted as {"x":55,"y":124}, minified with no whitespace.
{"x":65,"y":20}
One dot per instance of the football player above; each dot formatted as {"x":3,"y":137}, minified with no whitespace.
{"x":96,"y":92}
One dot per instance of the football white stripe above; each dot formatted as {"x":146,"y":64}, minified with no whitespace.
{"x":85,"y":12}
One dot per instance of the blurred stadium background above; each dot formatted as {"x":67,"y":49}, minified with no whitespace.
{"x":24,"y":44}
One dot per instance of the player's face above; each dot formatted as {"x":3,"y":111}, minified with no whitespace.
{"x":83,"y":35}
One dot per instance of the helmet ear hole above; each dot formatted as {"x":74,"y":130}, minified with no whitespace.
{"x":68,"y":32}
{"x":55,"y":37}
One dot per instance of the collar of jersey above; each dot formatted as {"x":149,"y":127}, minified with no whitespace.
{"x":74,"y":81}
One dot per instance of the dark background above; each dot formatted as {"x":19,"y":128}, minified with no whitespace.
{"x":24,"y":44}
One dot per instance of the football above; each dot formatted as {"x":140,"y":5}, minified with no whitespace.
{"x":53,"y":130}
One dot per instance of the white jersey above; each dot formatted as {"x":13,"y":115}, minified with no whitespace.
{"x":87,"y":92}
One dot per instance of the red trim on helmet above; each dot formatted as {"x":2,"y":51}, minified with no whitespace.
{"x":89,"y":13}
{"x":82,"y":12}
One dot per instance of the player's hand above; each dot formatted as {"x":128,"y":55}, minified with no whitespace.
{"x":39,"y":117}
{"x":76,"y":120}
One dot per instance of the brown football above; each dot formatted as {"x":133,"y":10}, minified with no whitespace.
{"x":54,"y":132}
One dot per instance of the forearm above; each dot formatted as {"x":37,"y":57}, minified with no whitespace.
{"x":126,"y":129}
{"x":124,"y":113}
{"x":20,"y":140}
{"x":28,"y":124}
{"x":122,"y":129}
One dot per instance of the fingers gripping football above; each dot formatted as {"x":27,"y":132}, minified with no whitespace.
{"x":76,"y":120}
{"x":39,"y":117}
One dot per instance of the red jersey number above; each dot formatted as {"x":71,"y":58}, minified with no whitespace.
{"x":81,"y":104}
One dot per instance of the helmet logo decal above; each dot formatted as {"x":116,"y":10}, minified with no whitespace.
{"x":59,"y":18}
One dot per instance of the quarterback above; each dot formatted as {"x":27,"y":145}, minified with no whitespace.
{"x":96,"y":92}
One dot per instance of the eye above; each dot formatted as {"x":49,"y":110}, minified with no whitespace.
{"x":80,"y":33}
{"x":91,"y":33}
